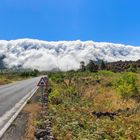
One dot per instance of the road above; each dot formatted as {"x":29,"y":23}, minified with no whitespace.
{"x":12,"y":99}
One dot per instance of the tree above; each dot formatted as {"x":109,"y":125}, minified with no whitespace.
{"x":82,"y":66}
{"x":91,"y":66}
{"x":2,"y":64}
{"x":36,"y":72}
{"x":33,"y":73}
{"x":102,"y":65}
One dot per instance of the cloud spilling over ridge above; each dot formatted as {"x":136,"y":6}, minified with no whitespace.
{"x":64,"y":55}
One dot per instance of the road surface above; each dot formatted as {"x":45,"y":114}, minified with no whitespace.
{"x":12,"y":99}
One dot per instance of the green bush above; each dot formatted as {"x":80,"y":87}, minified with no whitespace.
{"x":56,"y":77}
{"x":55,"y":97}
{"x":105,"y":73}
{"x":126,"y":85}
{"x":132,"y":68}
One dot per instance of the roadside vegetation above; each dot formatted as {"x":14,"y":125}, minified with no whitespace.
{"x":9,"y":77}
{"x":100,"y":101}
{"x":94,"y":104}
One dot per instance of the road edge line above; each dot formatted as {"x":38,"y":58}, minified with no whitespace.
{"x":3,"y":130}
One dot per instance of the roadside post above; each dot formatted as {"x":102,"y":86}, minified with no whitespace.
{"x":42,"y":83}
{"x":46,"y":95}
{"x":46,"y":79}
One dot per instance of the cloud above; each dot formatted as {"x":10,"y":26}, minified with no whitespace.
{"x":64,"y":55}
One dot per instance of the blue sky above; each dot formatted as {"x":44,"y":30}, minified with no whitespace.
{"x":115,"y":21}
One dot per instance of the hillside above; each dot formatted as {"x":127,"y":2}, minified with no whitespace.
{"x":120,"y":66}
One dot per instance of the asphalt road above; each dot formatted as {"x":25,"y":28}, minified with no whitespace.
{"x":12,"y":97}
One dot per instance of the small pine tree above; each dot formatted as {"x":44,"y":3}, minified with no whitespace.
{"x":102,"y":65}
{"x":92,"y":67}
{"x":82,"y":66}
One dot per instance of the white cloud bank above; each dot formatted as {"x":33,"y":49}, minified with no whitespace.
{"x":45,"y":55}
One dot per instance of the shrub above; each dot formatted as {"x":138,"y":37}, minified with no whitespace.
{"x":55,"y":97}
{"x":132,"y":68}
{"x":126,"y":85}
{"x":105,"y":73}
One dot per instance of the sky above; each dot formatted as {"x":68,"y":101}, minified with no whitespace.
{"x":116,"y":21}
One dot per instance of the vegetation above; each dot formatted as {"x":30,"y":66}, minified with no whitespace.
{"x":82,"y":66}
{"x":76,"y":94}
{"x":126,"y":85}
{"x":132,"y":68}
{"x":119,"y":66}
{"x":32,"y":73}
{"x":102,"y":65}
{"x":77,"y":98}
{"x":91,"y":66}
{"x":8,"y":77}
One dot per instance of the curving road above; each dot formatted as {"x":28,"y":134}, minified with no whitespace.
{"x":13,"y":97}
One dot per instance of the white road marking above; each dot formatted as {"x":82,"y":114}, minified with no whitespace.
{"x":11,"y":115}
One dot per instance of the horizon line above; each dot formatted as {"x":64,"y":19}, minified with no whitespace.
{"x":55,"y":41}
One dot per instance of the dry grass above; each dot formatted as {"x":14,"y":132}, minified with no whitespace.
{"x":32,"y":109}
{"x":72,"y":119}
